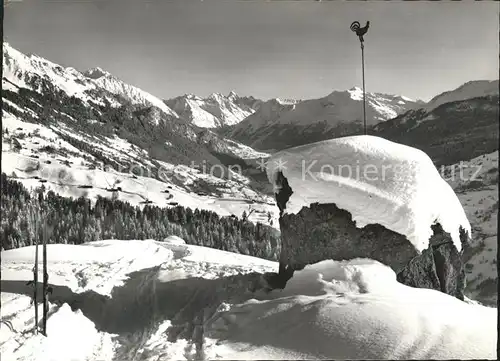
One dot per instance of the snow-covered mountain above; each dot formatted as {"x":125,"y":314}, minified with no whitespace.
{"x":216,"y":110}
{"x":469,"y":90}
{"x":277,"y":124}
{"x":95,"y":85}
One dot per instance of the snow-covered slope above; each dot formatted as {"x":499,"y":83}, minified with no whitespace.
{"x":267,"y":114}
{"x":39,"y":74}
{"x":135,"y":95}
{"x":270,"y":126}
{"x":146,"y":300}
{"x":476,"y":185}
{"x":215,"y":111}
{"x":218,"y":144}
{"x":377,"y":181}
{"x":472,"y":89}
{"x":37,"y":154}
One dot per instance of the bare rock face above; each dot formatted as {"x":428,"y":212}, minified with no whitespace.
{"x":324,"y":231}
{"x":439,"y":267}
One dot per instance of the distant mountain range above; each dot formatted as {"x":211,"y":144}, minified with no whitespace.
{"x":453,"y":126}
{"x":278,"y":124}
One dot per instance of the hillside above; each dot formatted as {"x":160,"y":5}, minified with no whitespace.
{"x":451,"y":132}
{"x":75,"y":132}
{"x":475,"y":182}
{"x":471,"y":89}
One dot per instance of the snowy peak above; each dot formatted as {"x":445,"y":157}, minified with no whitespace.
{"x":345,"y":106}
{"x":267,"y":114}
{"x":232,"y":95}
{"x":386,"y":105}
{"x":356,"y":93}
{"x":471,"y":89}
{"x":215,"y":111}
{"x":190,"y":108}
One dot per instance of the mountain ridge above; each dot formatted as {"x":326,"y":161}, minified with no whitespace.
{"x":274,"y":120}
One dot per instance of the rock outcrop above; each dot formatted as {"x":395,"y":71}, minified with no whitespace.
{"x":324,"y":231}
{"x":439,"y":267}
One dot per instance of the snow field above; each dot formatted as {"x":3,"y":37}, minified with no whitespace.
{"x":190,"y":302}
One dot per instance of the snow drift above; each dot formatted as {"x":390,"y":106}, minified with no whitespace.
{"x":356,"y":310}
{"x":191,"y":302}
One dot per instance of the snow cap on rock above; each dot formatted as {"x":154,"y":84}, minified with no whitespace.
{"x":377,"y":181}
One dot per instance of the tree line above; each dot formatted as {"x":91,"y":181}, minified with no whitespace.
{"x":27,"y":214}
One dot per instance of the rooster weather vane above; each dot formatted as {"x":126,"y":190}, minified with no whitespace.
{"x":360,"y":32}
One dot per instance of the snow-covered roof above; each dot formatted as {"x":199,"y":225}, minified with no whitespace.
{"x":377,"y":181}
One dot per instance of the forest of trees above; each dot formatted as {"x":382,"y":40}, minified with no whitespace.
{"x":28,"y":214}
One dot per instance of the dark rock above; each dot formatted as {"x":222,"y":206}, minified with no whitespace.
{"x":284,"y":193}
{"x":439,"y":267}
{"x":324,"y":231}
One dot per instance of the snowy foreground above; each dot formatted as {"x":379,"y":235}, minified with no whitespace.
{"x":147,"y":300}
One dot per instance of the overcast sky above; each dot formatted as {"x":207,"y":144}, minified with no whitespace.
{"x":264,"y":48}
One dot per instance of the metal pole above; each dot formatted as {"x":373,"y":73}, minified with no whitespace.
{"x":360,"y":32}
{"x":363,"y":75}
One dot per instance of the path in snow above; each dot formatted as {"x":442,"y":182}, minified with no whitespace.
{"x":107,"y":282}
